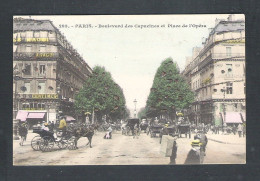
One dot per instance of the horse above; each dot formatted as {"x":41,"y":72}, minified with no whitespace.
{"x":83,"y":131}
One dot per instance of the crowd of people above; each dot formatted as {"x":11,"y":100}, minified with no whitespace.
{"x":239,"y":129}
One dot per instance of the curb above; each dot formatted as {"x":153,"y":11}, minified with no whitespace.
{"x":225,"y":142}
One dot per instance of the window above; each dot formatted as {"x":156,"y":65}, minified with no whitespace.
{"x":27,"y":86}
{"x":42,"y":69}
{"x":26,"y":106}
{"x":27,"y":69}
{"x":228,"y":51}
{"x":41,"y":87}
{"x":36,"y":34}
{"x":229,"y":68}
{"x":229,"y":88}
{"x":42,"y":48}
{"x":28,"y":48}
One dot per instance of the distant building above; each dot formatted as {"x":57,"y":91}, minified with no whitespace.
{"x":217,"y":75}
{"x":48,"y":72}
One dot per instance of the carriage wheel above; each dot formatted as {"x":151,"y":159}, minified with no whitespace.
{"x":71,"y":144}
{"x":46,"y":144}
{"x":62,"y":144}
{"x":35,"y":143}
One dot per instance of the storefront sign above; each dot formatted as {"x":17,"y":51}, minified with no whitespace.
{"x":31,"y":39}
{"x":44,"y":54}
{"x":44,"y":96}
{"x":32,"y":109}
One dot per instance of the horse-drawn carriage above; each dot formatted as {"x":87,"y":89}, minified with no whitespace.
{"x":45,"y":140}
{"x":130,"y":126}
{"x":184,"y":128}
{"x":154,"y":129}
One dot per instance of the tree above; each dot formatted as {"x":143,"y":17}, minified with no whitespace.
{"x":142,"y":113}
{"x":169,"y":91}
{"x":102,"y":95}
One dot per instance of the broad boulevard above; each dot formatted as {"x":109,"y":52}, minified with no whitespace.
{"x":124,"y":150}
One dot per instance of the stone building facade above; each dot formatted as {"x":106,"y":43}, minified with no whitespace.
{"x":217,"y":75}
{"x":47,"y":71}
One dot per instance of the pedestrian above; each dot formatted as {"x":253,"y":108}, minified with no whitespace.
{"x":203,"y":140}
{"x":244,"y":129}
{"x":22,"y":133}
{"x":239,"y":130}
{"x":234,"y":129}
{"x":135,"y":135}
{"x":52,"y":126}
{"x":174,"y":153}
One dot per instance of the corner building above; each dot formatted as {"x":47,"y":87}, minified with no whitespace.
{"x":217,"y":75}
{"x":47,"y":71}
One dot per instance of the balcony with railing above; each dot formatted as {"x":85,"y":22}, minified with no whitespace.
{"x":35,"y":55}
{"x":227,"y":55}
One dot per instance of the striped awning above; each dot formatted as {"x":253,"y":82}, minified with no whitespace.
{"x":232,"y":117}
{"x":22,"y":115}
{"x":36,"y":115}
{"x":70,"y":118}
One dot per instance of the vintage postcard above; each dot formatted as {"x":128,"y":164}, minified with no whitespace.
{"x":129,"y":90}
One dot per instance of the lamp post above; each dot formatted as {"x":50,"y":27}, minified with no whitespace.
{"x":58,"y":103}
{"x":135,"y":101}
{"x":48,"y":119}
{"x":15,"y":122}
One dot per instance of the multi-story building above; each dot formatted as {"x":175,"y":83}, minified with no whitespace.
{"x":48,"y":72}
{"x":217,"y":75}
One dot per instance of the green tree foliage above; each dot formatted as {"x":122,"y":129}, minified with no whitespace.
{"x":142,"y":113}
{"x":169,"y":91}
{"x":101,"y":94}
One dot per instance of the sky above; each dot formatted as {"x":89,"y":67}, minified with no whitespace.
{"x":133,"y":54}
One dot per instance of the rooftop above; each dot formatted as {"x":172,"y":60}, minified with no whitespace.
{"x":227,"y":26}
{"x":33,"y":25}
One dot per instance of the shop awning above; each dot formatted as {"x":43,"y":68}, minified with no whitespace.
{"x":22,"y":115}
{"x":233,"y":117}
{"x":36,"y":115}
{"x":69,"y":118}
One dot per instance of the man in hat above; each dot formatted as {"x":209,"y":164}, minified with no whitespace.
{"x":23,"y":133}
{"x":174,"y":152}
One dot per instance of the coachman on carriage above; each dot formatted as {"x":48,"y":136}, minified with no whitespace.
{"x":130,"y":127}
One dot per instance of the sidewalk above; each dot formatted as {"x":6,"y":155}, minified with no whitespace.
{"x":227,"y":139}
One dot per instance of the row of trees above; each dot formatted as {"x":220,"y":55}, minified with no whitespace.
{"x":169,"y":93}
{"x":101,"y":95}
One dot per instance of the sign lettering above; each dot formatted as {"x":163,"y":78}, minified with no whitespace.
{"x":44,"y":96}
{"x":44,"y":54}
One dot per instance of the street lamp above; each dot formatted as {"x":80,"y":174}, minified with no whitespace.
{"x":48,"y":105}
{"x":135,"y":101}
